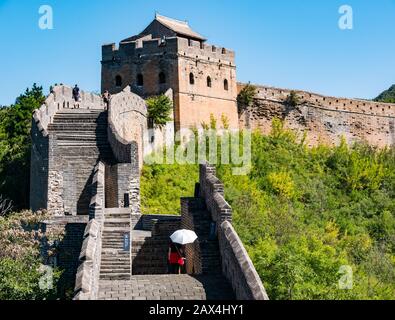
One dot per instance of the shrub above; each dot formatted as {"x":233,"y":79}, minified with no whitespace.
{"x":247,"y":95}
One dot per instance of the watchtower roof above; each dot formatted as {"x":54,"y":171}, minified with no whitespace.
{"x":168,"y":27}
{"x":179,"y":27}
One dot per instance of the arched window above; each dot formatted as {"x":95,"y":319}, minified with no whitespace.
{"x":191,"y":78}
{"x":140,"y":80}
{"x":226,"y":85}
{"x":209,"y":82}
{"x":162,"y":78}
{"x":118,"y":81}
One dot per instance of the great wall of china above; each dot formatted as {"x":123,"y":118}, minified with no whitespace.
{"x":86,"y":162}
{"x":324,"y":119}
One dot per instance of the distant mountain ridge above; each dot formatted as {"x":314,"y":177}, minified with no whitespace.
{"x":387,"y":95}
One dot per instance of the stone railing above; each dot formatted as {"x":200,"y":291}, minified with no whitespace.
{"x":212,"y":191}
{"x":87,"y":279}
{"x":127,"y":123}
{"x":237,"y":266}
{"x":97,"y":204}
{"x":61,"y":98}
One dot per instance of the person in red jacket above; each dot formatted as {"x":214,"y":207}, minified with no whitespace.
{"x":176,"y":258}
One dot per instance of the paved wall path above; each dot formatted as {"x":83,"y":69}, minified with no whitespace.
{"x":167,"y":287}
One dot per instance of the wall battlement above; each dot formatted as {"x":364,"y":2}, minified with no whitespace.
{"x":365,"y":107}
{"x":174,"y":45}
{"x":324,"y":119}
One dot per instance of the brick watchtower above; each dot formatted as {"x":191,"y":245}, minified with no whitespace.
{"x":169,"y":54}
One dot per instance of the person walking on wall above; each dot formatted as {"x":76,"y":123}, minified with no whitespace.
{"x":176,"y":258}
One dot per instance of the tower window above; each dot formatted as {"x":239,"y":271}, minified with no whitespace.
{"x":140,"y":80}
{"x":226,"y":85}
{"x":162,"y":78}
{"x":191,"y":78}
{"x":223,"y":51}
{"x":118,"y":81}
{"x":209,"y":83}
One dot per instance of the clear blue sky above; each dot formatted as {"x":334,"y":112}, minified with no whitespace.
{"x":283,"y":43}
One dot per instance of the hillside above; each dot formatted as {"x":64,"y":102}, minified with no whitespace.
{"x":387,"y":95}
{"x":305,"y":215}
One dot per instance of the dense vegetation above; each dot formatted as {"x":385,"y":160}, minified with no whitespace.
{"x":22,"y":275}
{"x":305,"y":215}
{"x":387,"y":95}
{"x":15,"y":146}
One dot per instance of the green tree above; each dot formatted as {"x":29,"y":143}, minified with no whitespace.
{"x":159,"y":109}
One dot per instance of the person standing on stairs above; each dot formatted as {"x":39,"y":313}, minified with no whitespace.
{"x":176,"y":258}
{"x":106,"y":98}
{"x":76,"y":95}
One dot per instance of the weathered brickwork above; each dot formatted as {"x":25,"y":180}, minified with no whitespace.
{"x":69,"y":248}
{"x":324,"y":119}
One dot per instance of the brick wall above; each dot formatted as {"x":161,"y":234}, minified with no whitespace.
{"x":69,"y":249}
{"x":38,"y":168}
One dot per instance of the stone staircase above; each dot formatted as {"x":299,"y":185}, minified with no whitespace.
{"x":83,"y":133}
{"x":209,"y":247}
{"x":115,"y":261}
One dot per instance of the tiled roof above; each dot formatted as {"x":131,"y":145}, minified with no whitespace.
{"x":179,"y":27}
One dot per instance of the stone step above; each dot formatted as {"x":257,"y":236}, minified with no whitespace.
{"x":120,"y":276}
{"x":116,"y":259}
{"x":117,"y":211}
{"x":118,"y":216}
{"x":113,"y":219}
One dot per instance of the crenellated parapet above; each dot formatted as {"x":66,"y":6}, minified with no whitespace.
{"x":60,"y":98}
{"x":324,"y":119}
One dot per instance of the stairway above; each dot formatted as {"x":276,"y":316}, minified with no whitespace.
{"x":83,"y":133}
{"x":115,"y":261}
{"x":210,"y":258}
{"x":79,"y":142}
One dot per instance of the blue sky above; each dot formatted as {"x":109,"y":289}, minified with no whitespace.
{"x":283,"y":43}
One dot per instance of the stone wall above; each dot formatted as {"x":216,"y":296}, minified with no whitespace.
{"x":88,"y":274}
{"x":237,"y":266}
{"x":67,"y":258}
{"x":127,"y":120}
{"x":324,"y":119}
{"x":39,"y":168}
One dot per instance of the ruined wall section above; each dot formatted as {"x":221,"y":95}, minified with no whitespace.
{"x":324,"y":119}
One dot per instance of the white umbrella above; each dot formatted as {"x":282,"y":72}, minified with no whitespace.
{"x":183,"y":237}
